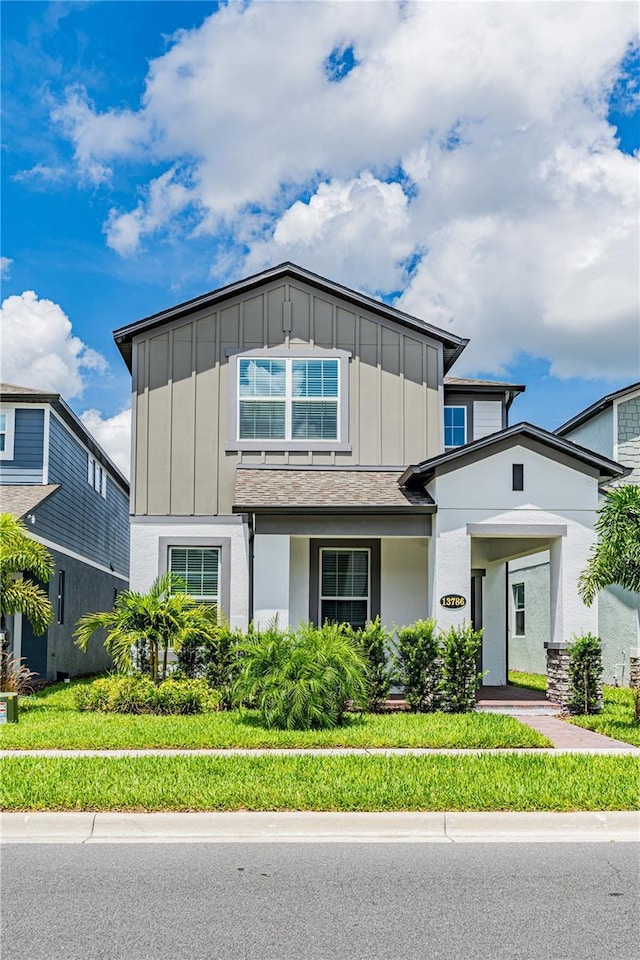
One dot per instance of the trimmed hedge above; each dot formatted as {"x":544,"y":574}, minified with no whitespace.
{"x":139,"y":694}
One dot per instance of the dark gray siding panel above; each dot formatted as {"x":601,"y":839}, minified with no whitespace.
{"x":26,"y":466}
{"x":77,"y":516}
{"x":87,"y":590}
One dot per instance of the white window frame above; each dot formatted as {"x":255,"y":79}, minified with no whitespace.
{"x":9,"y":433}
{"x":455,"y":406}
{"x":341,"y":442}
{"x":519,"y":609}
{"x":97,"y":476}
{"x":322,"y":597}
{"x":201,"y":598}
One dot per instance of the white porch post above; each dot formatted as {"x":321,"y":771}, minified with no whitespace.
{"x":450,"y":572}
{"x":569,"y":615}
{"x":271,"y":563}
{"x":494,"y":615}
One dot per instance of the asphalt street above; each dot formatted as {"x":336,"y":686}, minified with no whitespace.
{"x":319,"y":901}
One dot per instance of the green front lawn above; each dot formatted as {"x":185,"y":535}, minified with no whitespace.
{"x":617,"y":719}
{"x":51,"y":721}
{"x":441,"y":782}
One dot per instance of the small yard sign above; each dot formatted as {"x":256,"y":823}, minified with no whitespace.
{"x":453,"y":600}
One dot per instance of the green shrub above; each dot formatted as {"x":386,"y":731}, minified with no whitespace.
{"x":417,"y":665}
{"x":301,"y":680}
{"x":459,"y":648}
{"x":214,"y":660}
{"x":139,"y":694}
{"x":585,"y":673}
{"x":375,"y":643}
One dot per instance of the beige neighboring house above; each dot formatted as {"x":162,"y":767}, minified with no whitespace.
{"x":303,"y":451}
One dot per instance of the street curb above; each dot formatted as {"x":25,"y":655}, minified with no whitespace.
{"x":320,"y":827}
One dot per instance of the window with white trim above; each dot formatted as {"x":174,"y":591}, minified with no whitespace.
{"x":518,"y":609}
{"x":97,"y":476}
{"x":7,"y":425}
{"x":455,"y":426}
{"x":199,"y":567}
{"x":288,"y":399}
{"x":345,"y":594}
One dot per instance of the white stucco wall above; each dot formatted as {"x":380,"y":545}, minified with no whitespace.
{"x":527,"y":652}
{"x":271,"y":579}
{"x":404,"y":593}
{"x":145,"y":551}
{"x":554,"y":496}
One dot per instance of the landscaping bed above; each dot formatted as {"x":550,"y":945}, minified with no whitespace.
{"x":51,"y":721}
{"x":332,"y":783}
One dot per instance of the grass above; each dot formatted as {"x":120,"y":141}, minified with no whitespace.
{"x":347,"y":783}
{"x":617,"y":719}
{"x":52,"y":722}
{"x":530,"y":681}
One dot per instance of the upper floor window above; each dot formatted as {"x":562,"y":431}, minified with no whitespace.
{"x":288,"y":399}
{"x":97,"y":476}
{"x":288,"y":402}
{"x":7,"y":422}
{"x":455,"y":426}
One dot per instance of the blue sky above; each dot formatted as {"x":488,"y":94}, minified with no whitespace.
{"x":155,"y":150}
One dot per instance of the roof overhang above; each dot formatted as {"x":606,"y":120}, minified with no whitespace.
{"x":525,"y":434}
{"x":462,"y":386}
{"x":595,"y":409}
{"x":123,"y":336}
{"x":22,"y":499}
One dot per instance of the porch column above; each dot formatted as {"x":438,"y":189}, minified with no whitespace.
{"x":450,"y":573}
{"x":494,"y":622}
{"x":271,"y":579}
{"x":569,"y":615}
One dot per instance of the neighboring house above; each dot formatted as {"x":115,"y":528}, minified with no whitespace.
{"x":300,"y":450}
{"x":74,"y":500}
{"x":611,"y":428}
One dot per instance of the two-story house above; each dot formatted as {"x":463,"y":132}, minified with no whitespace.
{"x":74,"y":500}
{"x":301,"y":451}
{"x":611,"y":427}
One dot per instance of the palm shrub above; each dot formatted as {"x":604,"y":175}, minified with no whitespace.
{"x":22,"y":561}
{"x":417,"y":666}
{"x":459,"y":648}
{"x":149,"y":624}
{"x":301,"y":680}
{"x":585,"y":674}
{"x":375,"y":643}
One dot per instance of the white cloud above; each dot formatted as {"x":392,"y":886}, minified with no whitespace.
{"x":5,"y":267}
{"x":113,"y":434}
{"x":522,"y":215}
{"x":39,"y":349}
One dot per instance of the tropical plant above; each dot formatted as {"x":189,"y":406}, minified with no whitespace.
{"x":302,"y":680}
{"x":15,"y":675}
{"x":158,"y":621}
{"x":375,"y":643}
{"x":22,"y":561}
{"x":585,"y":674}
{"x":138,"y":694}
{"x":416,"y":660}
{"x":214,"y":659}
{"x":615,"y":558}
{"x":460,"y":679}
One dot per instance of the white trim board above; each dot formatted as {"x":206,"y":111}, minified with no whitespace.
{"x":78,"y":556}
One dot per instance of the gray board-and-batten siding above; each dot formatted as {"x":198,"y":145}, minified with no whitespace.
{"x":182,"y":393}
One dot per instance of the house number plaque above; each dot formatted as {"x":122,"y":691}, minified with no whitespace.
{"x":453,"y":600}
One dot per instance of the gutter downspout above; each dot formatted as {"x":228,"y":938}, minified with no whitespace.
{"x":251,"y":526}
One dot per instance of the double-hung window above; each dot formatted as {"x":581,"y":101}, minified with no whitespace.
{"x":288,"y":399}
{"x":455,"y":426}
{"x":97,"y":476}
{"x":199,"y":568}
{"x":345,"y":591}
{"x":518,"y":609}
{"x":7,"y":421}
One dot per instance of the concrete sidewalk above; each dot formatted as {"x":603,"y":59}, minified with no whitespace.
{"x":245,"y":827}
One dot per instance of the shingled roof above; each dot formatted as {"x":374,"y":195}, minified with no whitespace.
{"x":266,"y":489}
{"x":23,"y":499}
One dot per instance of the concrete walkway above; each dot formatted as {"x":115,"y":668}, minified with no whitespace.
{"x":243,"y":827}
{"x":569,"y":737}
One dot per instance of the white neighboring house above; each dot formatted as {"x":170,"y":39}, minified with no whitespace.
{"x":301,"y":449}
{"x":610,"y":427}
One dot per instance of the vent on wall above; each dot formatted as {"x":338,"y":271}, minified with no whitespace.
{"x":518,"y":476}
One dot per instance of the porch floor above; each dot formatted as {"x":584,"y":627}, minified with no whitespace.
{"x":507,"y":694}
